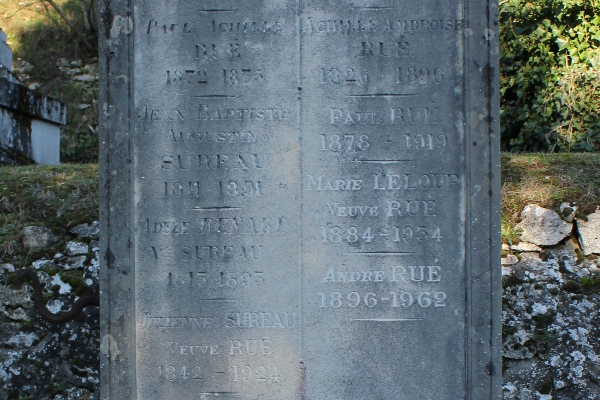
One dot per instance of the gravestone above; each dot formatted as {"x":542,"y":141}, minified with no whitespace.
{"x":29,"y":121}
{"x":300,"y":200}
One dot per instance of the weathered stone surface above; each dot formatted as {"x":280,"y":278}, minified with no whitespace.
{"x":35,"y":237}
{"x":542,"y":226}
{"x":510,"y":259}
{"x":568,"y":211}
{"x":76,"y":262}
{"x":525,"y":246}
{"x":85,"y":78}
{"x":44,"y":265}
{"x":90,"y":231}
{"x":589,"y":233}
{"x":46,"y":361}
{"x":22,"y":340}
{"x":322,"y":183}
{"x":76,"y":248}
{"x":14,"y":303}
{"x":551,"y":339}
{"x":8,"y":267}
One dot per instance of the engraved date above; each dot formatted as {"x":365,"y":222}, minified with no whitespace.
{"x":398,"y":234}
{"x":260,"y":373}
{"x":394,"y":299}
{"x":345,"y":143}
{"x":173,"y":373}
{"x":416,"y":75}
{"x":340,"y":76}
{"x":215,"y":279}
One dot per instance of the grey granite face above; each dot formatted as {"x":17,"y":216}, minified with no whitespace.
{"x":300,"y":200}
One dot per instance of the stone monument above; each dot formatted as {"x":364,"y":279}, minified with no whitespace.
{"x":29,"y":121}
{"x":300,"y":200}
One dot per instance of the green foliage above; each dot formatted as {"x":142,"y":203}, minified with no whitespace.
{"x":40,"y":35}
{"x":549,"y":60}
{"x":79,"y":139}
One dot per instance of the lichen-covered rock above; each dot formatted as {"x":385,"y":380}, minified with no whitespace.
{"x":88,"y":231}
{"x":568,"y":211}
{"x":44,"y":265}
{"x":525,"y":247}
{"x":44,"y":361}
{"x":589,"y":233}
{"x":551,"y":327}
{"x":22,"y":340}
{"x":510,"y":260}
{"x":76,"y":248}
{"x":7,"y":267}
{"x":35,"y":237}
{"x":15,"y":301}
{"x":77,"y":262}
{"x":542,"y":226}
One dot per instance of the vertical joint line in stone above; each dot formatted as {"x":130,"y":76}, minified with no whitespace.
{"x":466,"y":55}
{"x":300,"y":153}
{"x":130,"y":38}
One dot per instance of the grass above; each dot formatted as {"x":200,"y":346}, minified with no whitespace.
{"x":57,"y":197}
{"x":547,"y":180}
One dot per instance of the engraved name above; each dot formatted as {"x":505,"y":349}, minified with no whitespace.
{"x":242,"y":162}
{"x":246,"y":27}
{"x":360,"y":26}
{"x":411,"y":208}
{"x":174,"y":322}
{"x":338,"y":210}
{"x":208,"y":253}
{"x":396,"y":115}
{"x":221,"y":253}
{"x":193,"y":349}
{"x":223,"y":225}
{"x":264,"y":320}
{"x":422,"y":273}
{"x":250,"y":347}
{"x":322,"y":183}
{"x":396,"y":49}
{"x":155,"y":27}
{"x":213,"y":137}
{"x":208,"y":113}
{"x":415,"y":181}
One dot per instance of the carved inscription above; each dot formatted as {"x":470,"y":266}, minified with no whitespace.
{"x":292,"y":173}
{"x":345,"y":26}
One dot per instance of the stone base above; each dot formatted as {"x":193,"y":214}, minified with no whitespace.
{"x":29,"y":125}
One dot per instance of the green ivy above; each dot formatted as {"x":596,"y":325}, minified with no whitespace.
{"x":549,"y":62}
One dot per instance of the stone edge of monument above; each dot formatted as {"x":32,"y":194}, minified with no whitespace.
{"x":483,"y":244}
{"x":117,"y":337}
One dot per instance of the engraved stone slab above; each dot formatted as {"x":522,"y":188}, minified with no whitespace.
{"x":300,"y":200}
